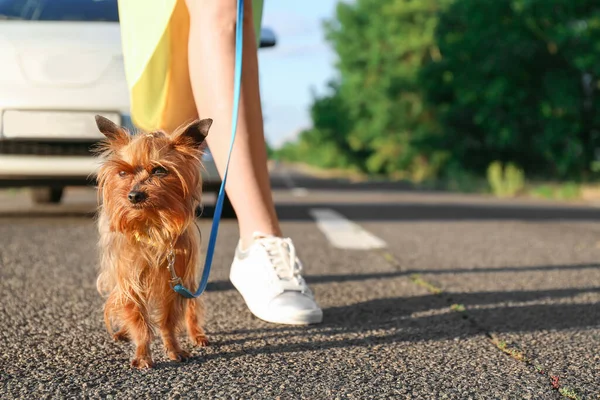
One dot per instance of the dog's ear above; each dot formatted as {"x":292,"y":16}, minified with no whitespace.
{"x":194,"y":133}
{"x":113,"y":132}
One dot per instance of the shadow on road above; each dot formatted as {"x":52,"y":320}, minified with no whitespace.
{"x":217,"y":286}
{"x":419,"y":318}
{"x":390,"y":321}
{"x":381,"y":212}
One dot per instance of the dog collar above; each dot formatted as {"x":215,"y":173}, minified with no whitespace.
{"x":139,"y":238}
{"x":146,"y":239}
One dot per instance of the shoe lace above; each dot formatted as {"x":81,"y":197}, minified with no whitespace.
{"x":282,"y":255}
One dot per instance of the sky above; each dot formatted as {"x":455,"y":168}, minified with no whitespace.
{"x":300,"y":62}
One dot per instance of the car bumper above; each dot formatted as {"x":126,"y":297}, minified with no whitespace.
{"x":20,"y":166}
{"x":35,"y":170}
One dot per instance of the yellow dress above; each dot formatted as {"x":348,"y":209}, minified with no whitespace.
{"x":154,"y":36}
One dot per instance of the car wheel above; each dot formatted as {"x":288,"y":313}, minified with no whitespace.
{"x":47,"y":195}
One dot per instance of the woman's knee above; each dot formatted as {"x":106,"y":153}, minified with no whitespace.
{"x":216,"y":10}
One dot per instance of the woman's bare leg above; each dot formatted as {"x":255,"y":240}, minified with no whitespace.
{"x":211,"y":60}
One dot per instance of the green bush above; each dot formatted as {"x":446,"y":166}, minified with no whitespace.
{"x":505,"y":181}
{"x":514,"y":179}
{"x":543,"y":191}
{"x":457,"y":179}
{"x":568,"y":191}
{"x":495,"y":177}
{"x":565,"y":191}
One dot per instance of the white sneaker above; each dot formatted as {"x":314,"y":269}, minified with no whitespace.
{"x":267,"y":275}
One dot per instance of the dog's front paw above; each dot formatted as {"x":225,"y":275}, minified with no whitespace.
{"x":178,"y":356}
{"x":142,"y":363}
{"x":200,"y":340}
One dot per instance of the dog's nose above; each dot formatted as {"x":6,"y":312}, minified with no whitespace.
{"x":135,"y":196}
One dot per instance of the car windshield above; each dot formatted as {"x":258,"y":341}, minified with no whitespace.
{"x":60,"y":10}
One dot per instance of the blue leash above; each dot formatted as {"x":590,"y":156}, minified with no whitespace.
{"x":179,"y":288}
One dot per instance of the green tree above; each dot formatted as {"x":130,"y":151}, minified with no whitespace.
{"x":381,"y":46}
{"x":517,"y":81}
{"x":325,"y":144}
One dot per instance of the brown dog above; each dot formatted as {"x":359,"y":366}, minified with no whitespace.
{"x":150,"y":185}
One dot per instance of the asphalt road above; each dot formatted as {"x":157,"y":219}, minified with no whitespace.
{"x":471,"y":298}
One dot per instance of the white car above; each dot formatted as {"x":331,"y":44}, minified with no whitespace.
{"x":62,"y":64}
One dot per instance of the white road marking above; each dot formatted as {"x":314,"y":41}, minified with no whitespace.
{"x":287,"y":179}
{"x":343,"y":233}
{"x":299,"y":192}
{"x":289,"y":182}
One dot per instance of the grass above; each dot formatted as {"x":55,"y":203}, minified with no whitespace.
{"x":539,"y":369}
{"x":389,"y":257}
{"x":519,"y":355}
{"x":511,"y":350}
{"x":417,"y":280}
{"x":569,"y":393}
{"x":542,"y":191}
{"x":557,"y":191}
{"x":458,"y":307}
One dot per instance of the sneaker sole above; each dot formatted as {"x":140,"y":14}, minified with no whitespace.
{"x":308,"y":318}
{"x":298,"y":318}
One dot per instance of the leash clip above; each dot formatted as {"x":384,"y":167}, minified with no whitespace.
{"x":175,"y":280}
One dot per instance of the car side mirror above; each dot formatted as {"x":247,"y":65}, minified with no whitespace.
{"x":267,"y":38}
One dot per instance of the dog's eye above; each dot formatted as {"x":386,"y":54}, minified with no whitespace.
{"x":159,"y":171}
{"x":122,"y":174}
